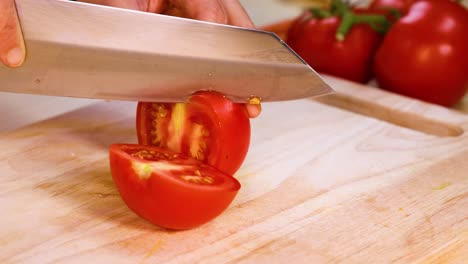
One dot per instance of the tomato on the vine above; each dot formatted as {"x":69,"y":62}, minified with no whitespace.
{"x":169,"y":189}
{"x":341,"y":42}
{"x":425,"y":55}
{"x":209,"y":127}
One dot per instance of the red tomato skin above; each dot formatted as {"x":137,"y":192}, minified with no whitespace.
{"x":424,"y":55}
{"x":228,"y":123}
{"x":233,"y":131}
{"x":314,"y":40}
{"x":401,"y":5}
{"x":166,"y":202}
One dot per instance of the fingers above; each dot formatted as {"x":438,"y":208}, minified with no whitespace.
{"x":253,"y":110}
{"x":218,"y":11}
{"x":156,"y":6}
{"x":12,"y":50}
{"x":206,"y":10}
{"x":153,"y":6}
{"x":134,"y":4}
{"x":236,"y":14}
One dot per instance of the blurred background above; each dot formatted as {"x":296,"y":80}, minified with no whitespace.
{"x":270,"y":11}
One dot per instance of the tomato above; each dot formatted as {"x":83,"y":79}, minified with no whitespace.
{"x":400,"y":5}
{"x":208,"y":127}
{"x":314,"y":39}
{"x":424,"y":55}
{"x":169,"y":189}
{"x":392,"y":14}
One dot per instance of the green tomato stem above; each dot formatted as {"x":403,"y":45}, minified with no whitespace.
{"x":338,"y":7}
{"x":347,"y":21}
{"x":395,"y":13}
{"x":320,"y":13}
{"x":377,"y":22}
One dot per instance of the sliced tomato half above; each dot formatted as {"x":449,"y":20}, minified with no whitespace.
{"x":169,"y":189}
{"x":209,"y":128}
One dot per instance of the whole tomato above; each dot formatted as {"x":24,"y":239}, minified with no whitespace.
{"x":424,"y":55}
{"x":341,"y":44}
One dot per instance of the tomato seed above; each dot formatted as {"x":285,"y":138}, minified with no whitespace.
{"x":198,"y":179}
{"x":254,"y":100}
{"x":200,"y":155}
{"x":208,"y":179}
{"x":205,"y":133}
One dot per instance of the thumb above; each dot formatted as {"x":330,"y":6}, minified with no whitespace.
{"x":206,"y":10}
{"x":12,"y":49}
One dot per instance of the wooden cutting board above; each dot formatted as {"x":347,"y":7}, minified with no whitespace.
{"x":363,"y":176}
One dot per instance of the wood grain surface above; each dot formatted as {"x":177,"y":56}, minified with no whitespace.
{"x":362,"y":176}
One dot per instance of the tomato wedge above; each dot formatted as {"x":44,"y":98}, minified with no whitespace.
{"x":169,"y":189}
{"x":209,"y":128}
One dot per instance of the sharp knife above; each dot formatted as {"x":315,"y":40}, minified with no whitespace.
{"x":91,"y":51}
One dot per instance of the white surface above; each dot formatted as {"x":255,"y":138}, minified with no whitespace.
{"x":19,"y":110}
{"x":265,"y":12}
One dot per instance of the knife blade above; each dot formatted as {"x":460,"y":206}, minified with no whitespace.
{"x":90,"y":51}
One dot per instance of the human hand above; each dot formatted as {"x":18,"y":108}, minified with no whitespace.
{"x":217,"y":11}
{"x":12,"y":50}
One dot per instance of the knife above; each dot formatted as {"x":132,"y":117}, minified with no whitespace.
{"x":91,"y":51}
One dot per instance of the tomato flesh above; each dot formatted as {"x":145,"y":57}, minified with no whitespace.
{"x":169,"y":189}
{"x":209,"y":128}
